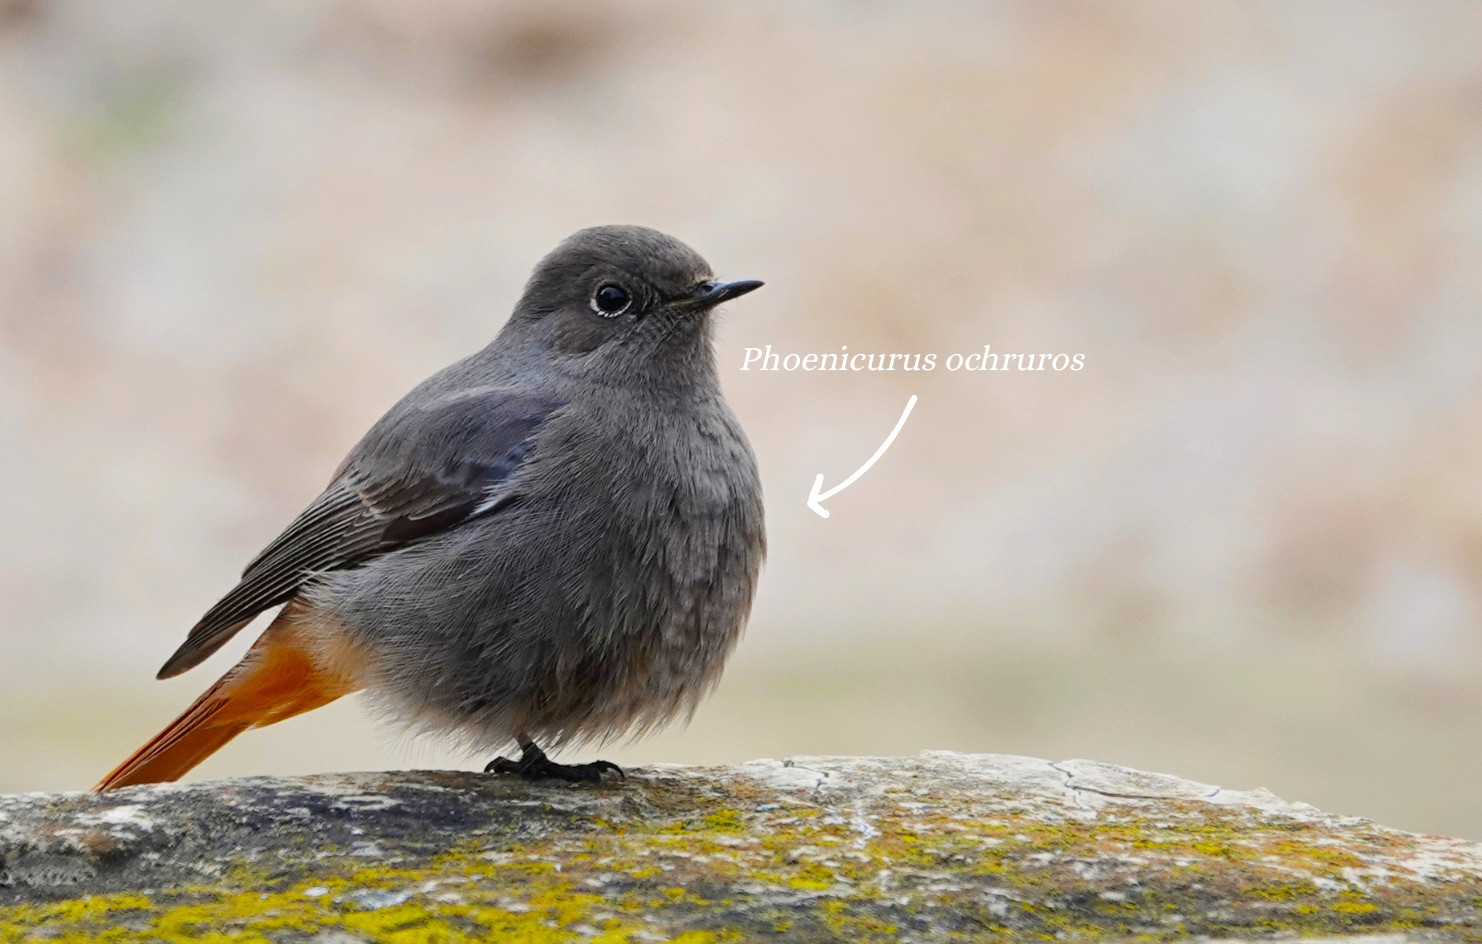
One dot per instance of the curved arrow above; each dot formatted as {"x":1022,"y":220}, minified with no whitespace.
{"x":817,"y":495}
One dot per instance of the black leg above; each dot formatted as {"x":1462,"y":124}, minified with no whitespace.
{"x":534,"y":765}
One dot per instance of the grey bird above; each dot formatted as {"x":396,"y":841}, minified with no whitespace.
{"x":551,"y":542}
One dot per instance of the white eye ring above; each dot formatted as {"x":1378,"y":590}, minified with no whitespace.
{"x":611,"y":300}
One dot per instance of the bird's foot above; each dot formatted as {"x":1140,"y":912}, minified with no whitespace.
{"x":534,"y":765}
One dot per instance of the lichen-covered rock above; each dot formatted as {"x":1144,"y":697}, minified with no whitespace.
{"x":943,"y":847}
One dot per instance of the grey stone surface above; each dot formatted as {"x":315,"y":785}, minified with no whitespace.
{"x":939,"y":847}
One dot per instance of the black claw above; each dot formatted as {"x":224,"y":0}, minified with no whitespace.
{"x":502,"y":765}
{"x":534,"y":765}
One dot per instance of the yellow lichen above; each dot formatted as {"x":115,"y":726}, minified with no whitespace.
{"x":797,"y":874}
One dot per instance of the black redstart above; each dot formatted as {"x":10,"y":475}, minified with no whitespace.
{"x":553,"y":541}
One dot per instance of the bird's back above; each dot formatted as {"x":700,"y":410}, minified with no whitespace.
{"x":603,"y":598}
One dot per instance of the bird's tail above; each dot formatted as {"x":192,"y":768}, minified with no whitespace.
{"x":281,"y":676}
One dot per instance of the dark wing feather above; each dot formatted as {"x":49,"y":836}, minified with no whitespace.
{"x":418,"y":472}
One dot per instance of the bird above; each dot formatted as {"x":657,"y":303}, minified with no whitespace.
{"x":552,"y":542}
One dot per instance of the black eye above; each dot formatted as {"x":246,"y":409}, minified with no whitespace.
{"x":611,"y":300}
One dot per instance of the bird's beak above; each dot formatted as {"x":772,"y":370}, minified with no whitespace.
{"x":712,"y":293}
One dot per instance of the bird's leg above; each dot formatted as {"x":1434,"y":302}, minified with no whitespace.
{"x":534,"y":765}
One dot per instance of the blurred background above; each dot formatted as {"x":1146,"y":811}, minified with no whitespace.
{"x":1243,"y":545}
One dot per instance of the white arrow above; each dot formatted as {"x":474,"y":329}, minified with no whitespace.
{"x":817,"y":495}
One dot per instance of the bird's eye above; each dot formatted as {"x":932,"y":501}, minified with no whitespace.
{"x":611,"y":300}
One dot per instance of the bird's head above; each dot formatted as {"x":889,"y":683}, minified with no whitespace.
{"x":622,"y":297}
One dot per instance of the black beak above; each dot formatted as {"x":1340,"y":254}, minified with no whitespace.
{"x":712,"y":293}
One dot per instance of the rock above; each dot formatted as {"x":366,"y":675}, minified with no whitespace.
{"x":937,"y":848}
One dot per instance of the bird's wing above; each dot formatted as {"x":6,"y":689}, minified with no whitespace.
{"x":420,"y":471}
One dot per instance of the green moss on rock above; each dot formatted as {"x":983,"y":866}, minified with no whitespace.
{"x":944,"y":847}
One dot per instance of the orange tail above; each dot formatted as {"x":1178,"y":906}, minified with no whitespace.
{"x":277,"y":679}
